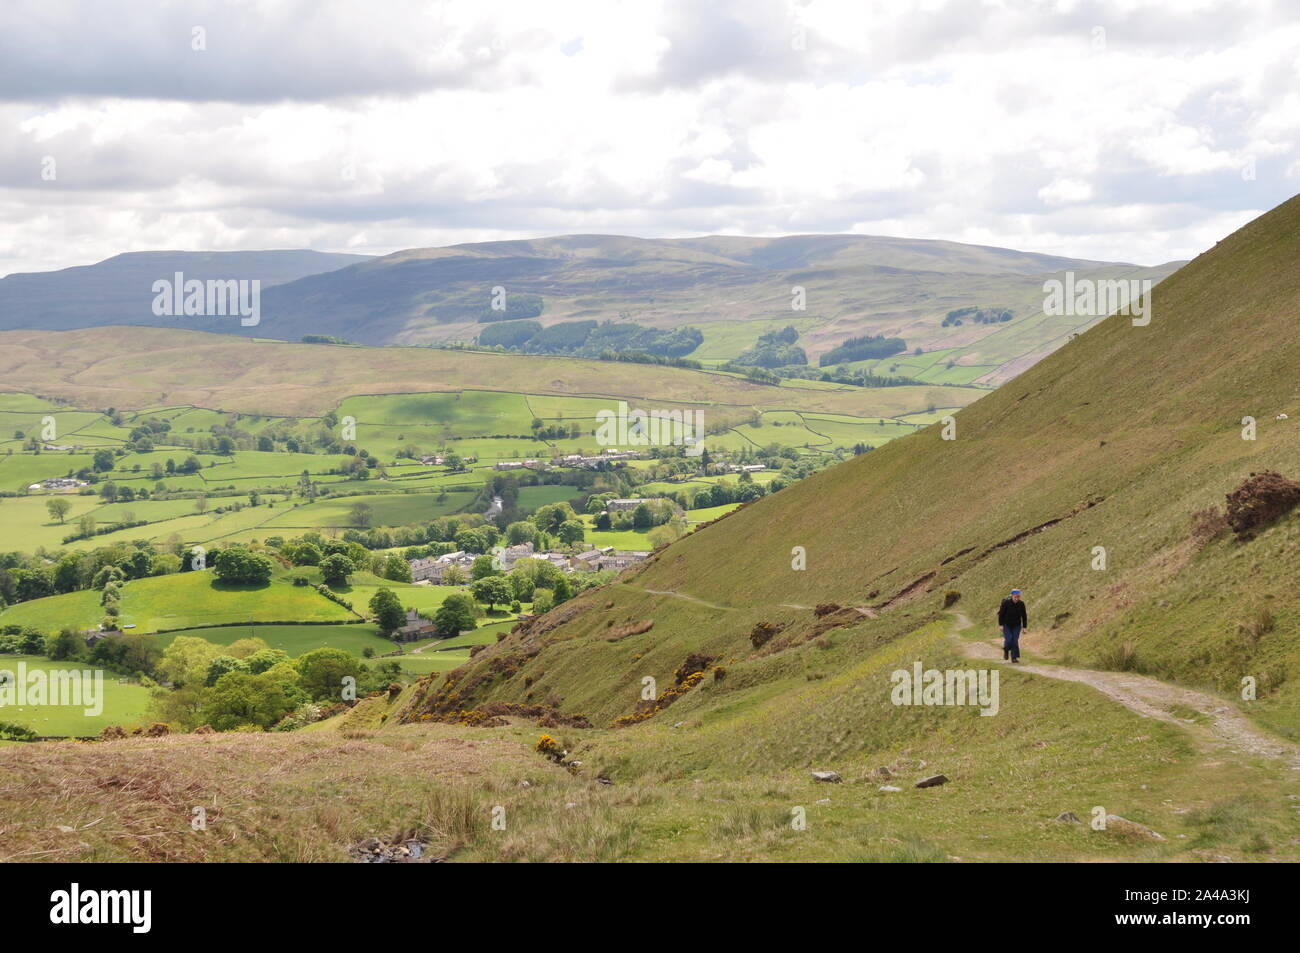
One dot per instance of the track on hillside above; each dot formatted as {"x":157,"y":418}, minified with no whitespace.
{"x":1225,"y":726}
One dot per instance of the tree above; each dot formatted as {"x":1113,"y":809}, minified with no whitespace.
{"x":103,"y":461}
{"x":136,"y":566}
{"x":58,"y":507}
{"x":549,"y":517}
{"x":454,"y":576}
{"x":201,"y":503}
{"x":543,"y":600}
{"x":563,"y":590}
{"x":186,"y":660}
{"x":240,"y":698}
{"x":67,"y":573}
{"x":321,"y":672}
{"x":32,"y":583}
{"x":388,"y":611}
{"x":482,"y":568}
{"x":360,"y":515}
{"x":571,"y":531}
{"x":521,"y":532}
{"x":109,"y":574}
{"x":68,"y":644}
{"x":305,"y":555}
{"x":241,"y":566}
{"x":491,"y":590}
{"x":396,"y":568}
{"x":455,"y":615}
{"x":221,"y":665}
{"x":264,"y":660}
{"x":336,"y":569}
{"x":642,"y":518}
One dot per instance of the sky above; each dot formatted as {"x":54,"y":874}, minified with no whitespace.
{"x":1110,"y":130}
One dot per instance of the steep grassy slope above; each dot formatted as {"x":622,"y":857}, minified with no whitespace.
{"x":1120,"y":438}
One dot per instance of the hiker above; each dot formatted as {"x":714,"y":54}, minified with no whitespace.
{"x":1014,"y":620}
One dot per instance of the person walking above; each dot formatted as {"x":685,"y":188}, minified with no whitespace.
{"x":1013,"y":619}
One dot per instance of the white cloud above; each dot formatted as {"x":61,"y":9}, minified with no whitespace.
{"x":310,"y":125}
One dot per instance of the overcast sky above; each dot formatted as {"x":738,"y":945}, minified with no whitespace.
{"x":1111,"y":130}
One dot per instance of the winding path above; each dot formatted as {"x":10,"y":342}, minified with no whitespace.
{"x":1224,"y":725}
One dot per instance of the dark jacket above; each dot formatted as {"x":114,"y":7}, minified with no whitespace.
{"x":1012,"y":612}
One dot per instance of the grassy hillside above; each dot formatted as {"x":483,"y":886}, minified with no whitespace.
{"x":1115,"y":441}
{"x":136,"y":368}
{"x":734,"y":288}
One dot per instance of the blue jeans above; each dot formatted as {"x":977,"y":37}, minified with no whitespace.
{"x":1011,"y":640}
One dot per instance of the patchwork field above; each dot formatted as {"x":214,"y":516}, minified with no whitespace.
{"x":123,"y":703}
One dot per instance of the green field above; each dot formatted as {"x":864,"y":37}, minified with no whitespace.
{"x":122,"y":703}
{"x":179,"y":601}
{"x":294,"y":639}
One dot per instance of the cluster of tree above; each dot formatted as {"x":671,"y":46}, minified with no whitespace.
{"x":145,"y":434}
{"x":864,"y":348}
{"x":978,"y":315}
{"x":325,"y":339}
{"x":753,"y":373}
{"x":249,"y":686}
{"x":513,"y":306}
{"x":592,"y":339}
{"x":556,"y":431}
{"x":845,"y":375}
{"x":639,"y":357}
{"x":339,"y":558}
{"x":24,"y":577}
{"x":774,"y":349}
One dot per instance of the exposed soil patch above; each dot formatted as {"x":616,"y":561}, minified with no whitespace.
{"x":620,"y":632}
{"x":762,"y":633}
{"x":910,"y":591}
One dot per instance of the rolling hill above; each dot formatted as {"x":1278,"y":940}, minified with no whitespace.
{"x":118,"y":289}
{"x":732,"y":288}
{"x":137,"y":368}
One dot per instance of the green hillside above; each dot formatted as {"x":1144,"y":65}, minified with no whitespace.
{"x":732,"y":288}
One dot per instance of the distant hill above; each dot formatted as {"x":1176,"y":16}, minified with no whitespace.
{"x":733,"y":289}
{"x":118,"y":289}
